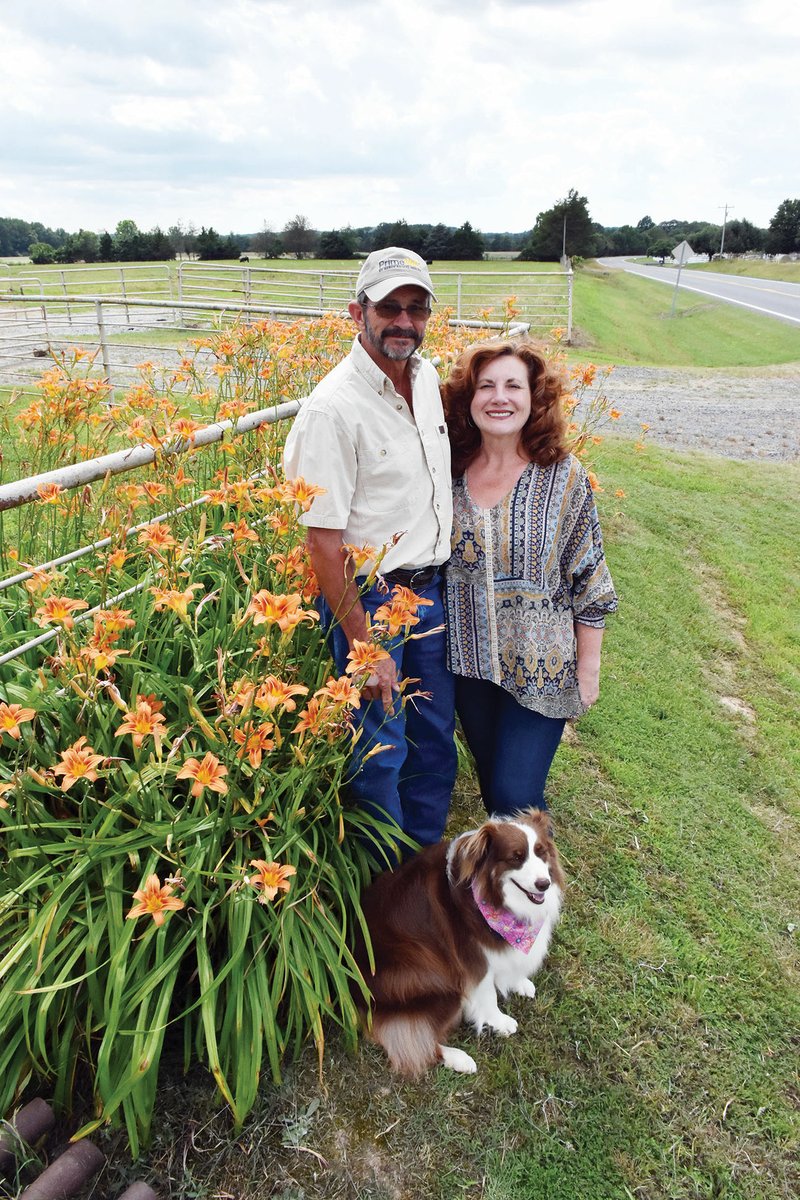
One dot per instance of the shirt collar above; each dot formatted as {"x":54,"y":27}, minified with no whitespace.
{"x":378,"y":379}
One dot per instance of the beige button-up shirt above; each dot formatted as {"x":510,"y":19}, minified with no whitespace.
{"x":385,"y":471}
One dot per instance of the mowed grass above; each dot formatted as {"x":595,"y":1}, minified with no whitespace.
{"x":660,"y":1057}
{"x":622,"y":318}
{"x":787,"y":272}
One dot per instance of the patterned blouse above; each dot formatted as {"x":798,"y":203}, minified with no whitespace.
{"x":520,"y":575}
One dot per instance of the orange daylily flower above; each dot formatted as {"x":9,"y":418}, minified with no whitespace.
{"x":273,"y":693}
{"x":285,"y":611}
{"x":400,"y":612}
{"x":39,"y":580}
{"x":144,"y":721}
{"x":157,"y":537}
{"x":171,"y":598}
{"x":271,"y":878}
{"x":78,"y":761}
{"x":254,"y":742}
{"x":12,"y":716}
{"x":58,"y":610}
{"x":241,"y":531}
{"x":614,"y":413}
{"x":153,"y":489}
{"x":154,"y":900}
{"x":595,"y":482}
{"x":110,"y":622}
{"x":206,"y":774}
{"x":6,"y":786}
{"x":49,"y":493}
{"x":341,"y":691}
{"x":298,"y":491}
{"x":364,"y":656}
{"x":316,"y":717}
{"x":116,"y":560}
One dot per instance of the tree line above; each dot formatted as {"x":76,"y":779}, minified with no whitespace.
{"x":566,"y":228}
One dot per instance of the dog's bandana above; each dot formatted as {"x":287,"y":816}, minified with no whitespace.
{"x":516,"y":932}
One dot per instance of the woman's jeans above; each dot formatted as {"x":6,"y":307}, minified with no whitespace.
{"x":411,"y":780}
{"x":513,"y":747}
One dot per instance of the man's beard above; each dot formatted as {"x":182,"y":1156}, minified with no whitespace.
{"x":378,"y":341}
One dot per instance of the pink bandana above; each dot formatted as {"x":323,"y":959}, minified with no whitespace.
{"x":517,"y":933}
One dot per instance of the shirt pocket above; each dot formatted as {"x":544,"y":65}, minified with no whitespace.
{"x":392,"y":476}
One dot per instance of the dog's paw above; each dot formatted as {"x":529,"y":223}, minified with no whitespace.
{"x":525,"y":987}
{"x":503,"y":1024}
{"x":457,"y":1060}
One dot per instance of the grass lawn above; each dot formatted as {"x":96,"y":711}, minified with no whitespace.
{"x":622,"y":318}
{"x":659,"y":1058}
{"x":787,"y":272}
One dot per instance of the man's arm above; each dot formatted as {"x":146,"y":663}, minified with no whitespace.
{"x":335,"y":576}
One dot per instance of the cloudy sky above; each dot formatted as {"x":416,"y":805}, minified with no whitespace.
{"x":237,"y":113}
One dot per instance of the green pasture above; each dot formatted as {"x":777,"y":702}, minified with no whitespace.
{"x":659,"y":1058}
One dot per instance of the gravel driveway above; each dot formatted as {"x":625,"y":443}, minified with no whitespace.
{"x":746,"y":414}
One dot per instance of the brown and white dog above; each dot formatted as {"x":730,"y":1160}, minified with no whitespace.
{"x":451,"y":928}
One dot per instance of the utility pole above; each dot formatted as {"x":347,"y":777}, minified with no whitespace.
{"x":724,"y":223}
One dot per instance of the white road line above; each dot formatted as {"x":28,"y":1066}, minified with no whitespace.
{"x":727,"y":300}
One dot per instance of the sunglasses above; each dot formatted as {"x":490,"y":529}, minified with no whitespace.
{"x":388,"y":310}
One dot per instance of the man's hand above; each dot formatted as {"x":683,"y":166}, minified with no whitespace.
{"x":382,"y":684}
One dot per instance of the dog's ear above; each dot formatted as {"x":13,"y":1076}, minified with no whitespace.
{"x":468,"y":852}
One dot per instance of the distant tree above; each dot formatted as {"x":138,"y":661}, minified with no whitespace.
{"x":177,"y":238}
{"x":400,"y":233}
{"x":211,"y":245}
{"x":267,"y":243}
{"x":646,"y":224}
{"x":628,"y":240}
{"x":547,"y":237}
{"x":336,"y":243}
{"x":466,"y":243}
{"x":299,"y":238}
{"x":128,"y":242}
{"x":741,"y":237}
{"x":159,"y":247}
{"x":83,"y":246}
{"x":439,"y":243}
{"x":105,"y":249}
{"x":783,"y":236}
{"x":706,"y":240}
{"x":41,"y":253}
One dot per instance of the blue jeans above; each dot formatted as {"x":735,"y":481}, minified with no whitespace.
{"x":411,"y":781}
{"x":513,"y":747}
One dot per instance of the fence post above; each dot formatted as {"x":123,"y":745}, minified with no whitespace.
{"x":570,"y":277}
{"x":64,"y":290}
{"x":124,"y":295}
{"x":458,"y":297}
{"x":101,"y":333}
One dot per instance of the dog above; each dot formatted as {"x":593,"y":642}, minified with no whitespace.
{"x":451,"y":928}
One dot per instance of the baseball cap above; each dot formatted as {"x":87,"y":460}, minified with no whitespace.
{"x":390,"y":268}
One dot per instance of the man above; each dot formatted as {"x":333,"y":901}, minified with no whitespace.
{"x":372,"y":433}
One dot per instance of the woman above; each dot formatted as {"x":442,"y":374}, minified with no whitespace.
{"x":527,"y":584}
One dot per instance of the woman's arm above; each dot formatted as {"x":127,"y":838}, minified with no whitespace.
{"x":589,"y":640}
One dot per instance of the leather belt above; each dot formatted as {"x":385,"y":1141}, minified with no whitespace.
{"x":412,"y":577}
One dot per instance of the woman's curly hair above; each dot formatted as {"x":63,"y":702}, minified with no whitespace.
{"x":544,"y":435}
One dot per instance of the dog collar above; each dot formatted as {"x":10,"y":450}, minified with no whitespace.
{"x":516,"y":932}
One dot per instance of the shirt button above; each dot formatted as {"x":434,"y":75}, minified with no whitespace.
{"x":399,"y":407}
{"x":383,"y":454}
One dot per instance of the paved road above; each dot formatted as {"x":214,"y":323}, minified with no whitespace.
{"x":767,"y":296}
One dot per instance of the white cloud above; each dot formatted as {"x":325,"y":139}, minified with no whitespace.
{"x":232,"y":113}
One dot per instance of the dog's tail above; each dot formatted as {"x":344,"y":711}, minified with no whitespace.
{"x":409,"y":1039}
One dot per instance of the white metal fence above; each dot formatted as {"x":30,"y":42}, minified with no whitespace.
{"x":113,"y":310}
